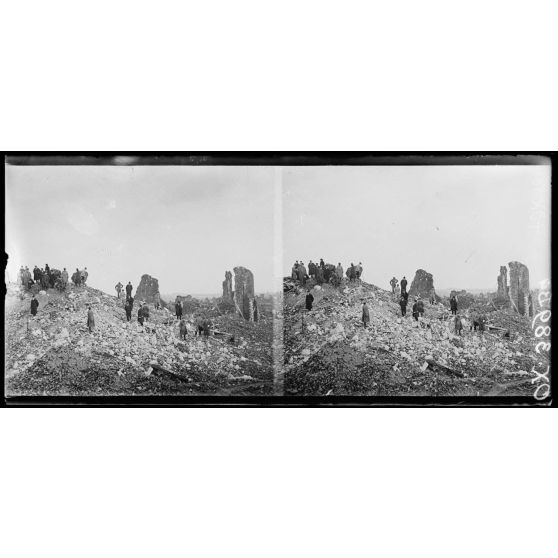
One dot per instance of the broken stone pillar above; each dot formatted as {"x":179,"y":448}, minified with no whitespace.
{"x":227,"y":287}
{"x":519,"y":287}
{"x":244,"y":292}
{"x":148,"y":290}
{"x":422,"y":285}
{"x":503,"y":289}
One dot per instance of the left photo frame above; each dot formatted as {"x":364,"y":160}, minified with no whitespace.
{"x":129,"y":279}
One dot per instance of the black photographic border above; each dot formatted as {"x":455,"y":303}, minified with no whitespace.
{"x":281,"y":158}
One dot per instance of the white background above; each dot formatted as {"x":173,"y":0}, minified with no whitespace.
{"x":290,"y":75}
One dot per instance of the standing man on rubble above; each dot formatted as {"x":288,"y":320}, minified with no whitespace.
{"x":45,"y":280}
{"x":118,"y":288}
{"x":128,"y":309}
{"x":90,"y":319}
{"x":393,"y":284}
{"x":358,"y":271}
{"x":339,"y":272}
{"x":416,"y":310}
{"x":352,"y":272}
{"x":458,"y":324}
{"x":312,"y":269}
{"x":34,"y":305}
{"x":140,"y":314}
{"x":129,"y":290}
{"x":453,"y":304}
{"x":178,"y":308}
{"x":365,"y":314}
{"x":301,"y":273}
{"x":403,"y":285}
{"x":183,"y":328}
{"x":403,"y":304}
{"x":145,"y":312}
{"x":64,"y":276}
{"x":309,"y":300}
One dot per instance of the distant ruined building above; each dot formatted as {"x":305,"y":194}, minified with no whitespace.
{"x":148,"y":290}
{"x":517,"y":294}
{"x":422,"y":285}
{"x":243,"y":295}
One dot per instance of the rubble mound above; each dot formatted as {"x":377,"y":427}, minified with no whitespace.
{"x":53,"y":353}
{"x":327,"y":351}
{"x":422,"y":285}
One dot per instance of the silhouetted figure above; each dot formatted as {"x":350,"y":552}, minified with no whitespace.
{"x":403,"y":285}
{"x":403,"y":304}
{"x":453,"y":304}
{"x":365,"y":314}
{"x":34,"y":305}
{"x":309,"y":301}
{"x":90,"y":319}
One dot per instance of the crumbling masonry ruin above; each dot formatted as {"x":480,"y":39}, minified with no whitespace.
{"x":517,"y":293}
{"x":244,"y":298}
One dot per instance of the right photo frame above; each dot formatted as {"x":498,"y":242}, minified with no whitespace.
{"x":417,"y":280}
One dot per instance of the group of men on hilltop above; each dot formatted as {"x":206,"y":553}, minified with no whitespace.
{"x":48,"y":278}
{"x":325,"y":273}
{"x":398,"y":289}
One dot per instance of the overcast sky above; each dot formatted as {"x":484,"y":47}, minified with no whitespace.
{"x":184,"y":225}
{"x":460,"y":223}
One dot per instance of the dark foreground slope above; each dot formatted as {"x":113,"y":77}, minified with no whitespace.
{"x":54,"y":353}
{"x":328,"y":352}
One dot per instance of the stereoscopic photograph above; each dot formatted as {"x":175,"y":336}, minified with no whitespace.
{"x":417,"y":280}
{"x":132,"y":279}
{"x":191,"y":276}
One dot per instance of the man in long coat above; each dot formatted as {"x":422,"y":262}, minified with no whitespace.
{"x":312,"y":269}
{"x":34,"y":305}
{"x":453,"y":304}
{"x":178,"y":309}
{"x":129,"y":290}
{"x":301,"y":272}
{"x":403,"y":304}
{"x":45,"y":280}
{"x":145,"y":312}
{"x":309,"y":301}
{"x":403,"y":285}
{"x":128,"y":308}
{"x":365,"y":314}
{"x":183,"y":328}
{"x":90,"y":319}
{"x":339,"y":272}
